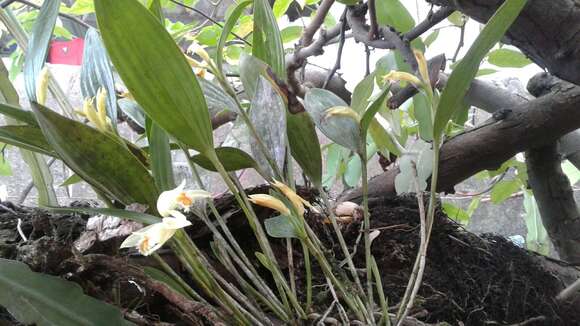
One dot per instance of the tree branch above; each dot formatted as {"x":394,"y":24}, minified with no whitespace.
{"x":528,"y":125}
{"x":316,"y":23}
{"x":431,"y":20}
{"x":555,"y":199}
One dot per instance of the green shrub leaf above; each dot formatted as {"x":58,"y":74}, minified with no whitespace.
{"x":508,"y":58}
{"x":155,"y":71}
{"x":26,"y":137}
{"x":45,"y":300}
{"x":232,"y":158}
{"x":304,"y":145}
{"x":280,"y":227}
{"x":267,"y":41}
{"x":100,"y":159}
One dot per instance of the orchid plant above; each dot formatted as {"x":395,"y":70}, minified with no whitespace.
{"x":177,"y":104}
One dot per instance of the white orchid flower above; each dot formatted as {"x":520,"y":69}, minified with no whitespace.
{"x":170,"y":201}
{"x":152,"y":237}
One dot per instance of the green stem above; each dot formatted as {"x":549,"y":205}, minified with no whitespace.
{"x":169,"y":271}
{"x":308,"y":268}
{"x":254,"y":222}
{"x":367,"y":228}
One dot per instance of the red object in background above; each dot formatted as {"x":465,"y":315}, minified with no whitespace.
{"x":66,"y":52}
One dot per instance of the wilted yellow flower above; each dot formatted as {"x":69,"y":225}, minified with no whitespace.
{"x":171,"y":200}
{"x":402,"y":76}
{"x":97,"y":116}
{"x":42,"y":86}
{"x":423,"y":70}
{"x":297,"y":201}
{"x":344,"y":111}
{"x":270,"y":202}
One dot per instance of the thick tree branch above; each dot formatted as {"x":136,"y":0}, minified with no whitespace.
{"x":546,"y":31}
{"x":555,"y":200}
{"x":317,"y":21}
{"x":528,"y":125}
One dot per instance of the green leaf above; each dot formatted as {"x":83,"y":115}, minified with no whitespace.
{"x":18,"y":113}
{"x":74,"y":178}
{"x":342,"y":130}
{"x":280,"y":7}
{"x":5,"y":167}
{"x":155,"y":71}
{"x":537,"y":237}
{"x":571,"y":172}
{"x":216,"y":98}
{"x":100,"y":159}
{"x":304,"y":145}
{"x":280,"y":227}
{"x":455,"y":213}
{"x":419,"y":156}
{"x":96,"y":72}
{"x":133,"y":110}
{"x":335,"y":155}
{"x":268,"y":115}
{"x":504,"y":189}
{"x":362,"y":92}
{"x":394,"y":14}
{"x":431,"y":38}
{"x":507,"y":58}
{"x":38,"y":45}
{"x":227,"y":28}
{"x":26,"y":137}
{"x":383,"y":139}
{"x":232,"y":158}
{"x":46,"y":300}
{"x":291,"y":33}
{"x":267,"y":41}
{"x":160,"y":154}
{"x":120,"y":213}
{"x":369,"y":114}
{"x":459,"y":81}
{"x":424,"y":116}
{"x":250,"y":69}
{"x":353,"y":171}
{"x":485,"y":71}
{"x":456,"y":18}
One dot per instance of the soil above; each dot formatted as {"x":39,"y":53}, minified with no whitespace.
{"x":469,"y":279}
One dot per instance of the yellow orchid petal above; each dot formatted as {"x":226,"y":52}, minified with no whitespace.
{"x":193,"y":63}
{"x":150,"y":238}
{"x":90,"y":112}
{"x":102,"y":107}
{"x":402,"y":76}
{"x":296,"y":200}
{"x":270,"y":202}
{"x":200,"y":51}
{"x":423,"y":70}
{"x":42,"y":86}
{"x":344,"y":111}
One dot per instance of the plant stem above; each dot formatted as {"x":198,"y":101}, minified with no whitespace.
{"x":308,"y":268}
{"x":367,"y":228}
{"x":342,"y":242}
{"x":167,"y":269}
{"x":256,"y":226}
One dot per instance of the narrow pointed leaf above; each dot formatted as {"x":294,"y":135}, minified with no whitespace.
{"x":251,"y":68}
{"x":46,"y":300}
{"x":227,"y":28}
{"x":160,"y":154}
{"x":369,"y":114}
{"x":267,"y":42}
{"x":96,"y":72}
{"x":232,"y":158}
{"x":304,"y":145}
{"x":342,"y":130}
{"x":18,"y":113}
{"x":101,"y":160}
{"x":459,"y":81}
{"x":120,"y":213}
{"x":268,"y":115}
{"x":26,"y":137}
{"x":38,"y":45}
{"x":133,"y":110}
{"x":216,"y":98}
{"x":155,"y":71}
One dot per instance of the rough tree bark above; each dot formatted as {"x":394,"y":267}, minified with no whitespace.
{"x":548,"y":32}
